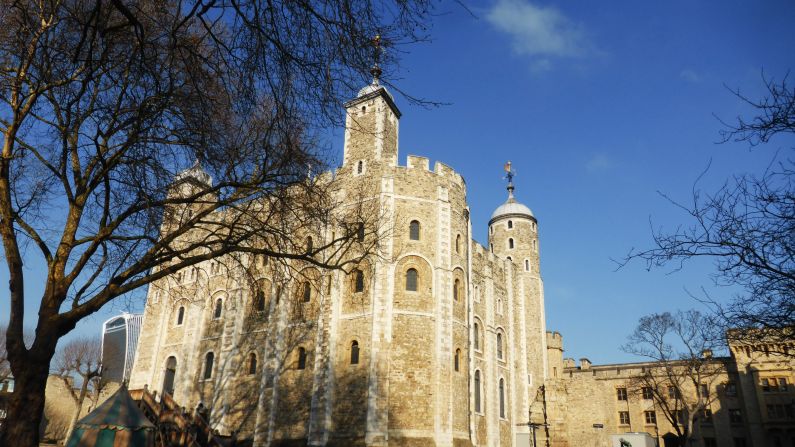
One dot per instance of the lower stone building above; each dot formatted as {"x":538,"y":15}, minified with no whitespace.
{"x":749,"y":401}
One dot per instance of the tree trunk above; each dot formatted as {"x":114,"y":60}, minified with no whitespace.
{"x":26,"y":403}
{"x":79,"y":408}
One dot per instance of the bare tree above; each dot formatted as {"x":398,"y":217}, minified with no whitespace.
{"x":5,"y":368}
{"x":79,"y":361}
{"x":747,"y":228}
{"x":683,"y":370}
{"x":102,"y":104}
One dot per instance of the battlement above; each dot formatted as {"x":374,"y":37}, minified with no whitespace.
{"x":554,"y":340}
{"x":416,"y":161}
{"x":439,"y":168}
{"x":478,"y":248}
{"x":447,"y":171}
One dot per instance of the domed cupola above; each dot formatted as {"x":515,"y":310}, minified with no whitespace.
{"x":513,"y":231}
{"x":511,"y":208}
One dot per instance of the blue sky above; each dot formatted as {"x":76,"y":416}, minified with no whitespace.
{"x":600,"y":106}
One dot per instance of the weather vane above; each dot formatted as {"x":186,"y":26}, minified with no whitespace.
{"x":509,"y":173}
{"x":376,"y":69}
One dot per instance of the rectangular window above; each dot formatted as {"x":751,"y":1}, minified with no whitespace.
{"x":735,"y":416}
{"x":648,"y":393}
{"x":681,"y":418}
{"x":621,"y":393}
{"x":778,"y":411}
{"x":673,"y":392}
{"x":774,"y":384}
{"x":623,"y":417}
{"x":651,"y":417}
{"x":703,"y":390}
{"x":706,"y":416}
{"x":765,"y":385}
{"x":731,"y":389}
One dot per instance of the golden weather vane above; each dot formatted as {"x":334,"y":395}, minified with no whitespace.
{"x":376,"y":69}
{"x":509,"y":173}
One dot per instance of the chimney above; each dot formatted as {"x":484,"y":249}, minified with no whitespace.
{"x":585,"y":364}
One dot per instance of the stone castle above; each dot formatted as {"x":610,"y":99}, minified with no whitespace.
{"x":439,"y":342}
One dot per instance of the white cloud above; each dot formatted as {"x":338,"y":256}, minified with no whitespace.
{"x":537,"y":30}
{"x":597,"y":163}
{"x":690,"y":75}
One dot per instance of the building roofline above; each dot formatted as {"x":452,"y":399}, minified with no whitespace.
{"x":380,"y":92}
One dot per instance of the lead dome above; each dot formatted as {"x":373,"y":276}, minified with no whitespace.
{"x":511,"y":208}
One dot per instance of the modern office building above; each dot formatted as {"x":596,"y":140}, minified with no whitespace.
{"x":119,"y":341}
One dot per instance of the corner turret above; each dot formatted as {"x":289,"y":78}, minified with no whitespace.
{"x":513,"y":231}
{"x":371,"y":125}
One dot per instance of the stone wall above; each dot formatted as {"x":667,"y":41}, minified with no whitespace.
{"x":413,"y":383}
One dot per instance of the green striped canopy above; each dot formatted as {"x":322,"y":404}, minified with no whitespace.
{"x":116,"y":423}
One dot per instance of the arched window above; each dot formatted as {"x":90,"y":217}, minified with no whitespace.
{"x":180,"y":315}
{"x":301,"y":358}
{"x":476,"y":335}
{"x":477,"y":391}
{"x":411,"y":280}
{"x":414,"y":230}
{"x":510,"y":243}
{"x":307,"y":292}
{"x":457,"y":359}
{"x":360,"y":232}
{"x":458,"y":243}
{"x":499,"y":345}
{"x":535,"y":245}
{"x":502,"y":398}
{"x":359,"y":286}
{"x":456,"y":286}
{"x":527,"y":265}
{"x":309,"y":245}
{"x":259,"y":301}
{"x":168,"y":376}
{"x":208,"y":365}
{"x":359,"y":167}
{"x":354,"y":352}
{"x":252,"y":363}
{"x":219,"y":306}
{"x":510,"y":224}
